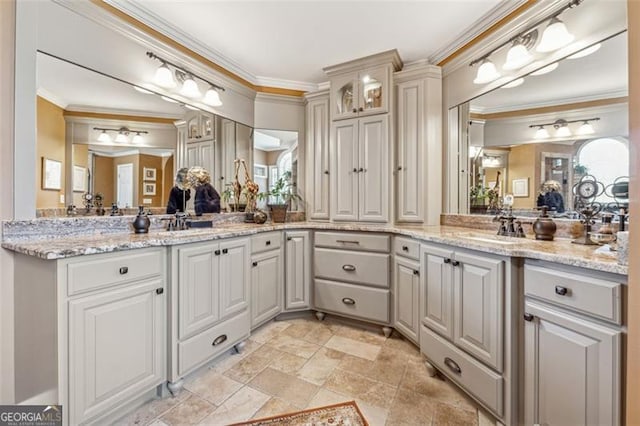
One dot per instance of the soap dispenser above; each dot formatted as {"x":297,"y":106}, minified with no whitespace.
{"x":141,"y":222}
{"x":544,"y":227}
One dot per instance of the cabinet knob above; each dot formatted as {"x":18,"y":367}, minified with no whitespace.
{"x":124,"y":270}
{"x":159,"y":290}
{"x":326,"y":172}
{"x":360,"y":170}
{"x":225,"y":251}
{"x":561,"y":291}
{"x":268,"y":242}
{"x":447,"y":260}
{"x":416,"y":272}
{"x":218,"y":340}
{"x":399,"y":168}
{"x":255,"y":263}
{"x":405,"y":248}
{"x":355,"y":170}
{"x":348,"y":268}
{"x":348,"y":301}
{"x":354,"y":110}
{"x":528,"y":317}
{"x":455,"y":263}
{"x":360,"y":109}
{"x":217,"y":252}
{"x":289,"y":238}
{"x":453,"y":366}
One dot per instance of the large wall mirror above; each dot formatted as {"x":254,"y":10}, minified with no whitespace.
{"x":544,"y":132}
{"x":96,"y":134}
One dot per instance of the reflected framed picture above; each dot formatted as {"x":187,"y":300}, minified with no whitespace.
{"x":149,"y":174}
{"x":51,"y":174}
{"x":149,"y":188}
{"x":259,"y":171}
{"x":520,"y":187}
{"x":79,"y":179}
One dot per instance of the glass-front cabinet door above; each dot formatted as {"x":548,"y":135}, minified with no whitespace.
{"x":344,"y":96}
{"x":373,"y":91}
{"x":206,"y":126}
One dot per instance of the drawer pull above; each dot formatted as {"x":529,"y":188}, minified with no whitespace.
{"x":349,"y":268}
{"x":218,"y":340}
{"x":289,"y":238}
{"x":159,"y":290}
{"x":255,"y":263}
{"x":453,"y":366}
{"x":124,"y":270}
{"x":528,"y":317}
{"x":348,"y":241}
{"x":348,"y":301}
{"x":416,"y":272}
{"x":455,"y":263}
{"x":561,"y":291}
{"x":217,"y":252}
{"x":447,"y":260}
{"x":268,"y":242}
{"x":225,"y":251}
{"x":405,"y":248}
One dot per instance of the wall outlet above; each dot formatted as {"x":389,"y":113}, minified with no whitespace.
{"x":147,"y":201}
{"x":61,"y":198}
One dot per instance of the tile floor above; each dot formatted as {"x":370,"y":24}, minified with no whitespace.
{"x":303,"y":363}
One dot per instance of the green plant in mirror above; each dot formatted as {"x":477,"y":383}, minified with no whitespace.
{"x":478,"y":194}
{"x":580,"y":169}
{"x":282,"y":191}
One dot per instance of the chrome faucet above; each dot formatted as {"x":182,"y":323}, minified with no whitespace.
{"x":178,"y":222}
{"x":510,"y":226}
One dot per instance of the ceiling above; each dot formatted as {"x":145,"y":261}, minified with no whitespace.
{"x":287,"y":43}
{"x":274,"y":140}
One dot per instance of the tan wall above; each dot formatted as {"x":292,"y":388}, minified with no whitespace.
{"x":80,"y":158}
{"x":633,"y":352}
{"x":272,"y":157}
{"x":153,"y":162}
{"x":104,"y":179}
{"x":168,"y":178}
{"x":520,"y":167}
{"x":259,"y":157}
{"x":133,"y":159}
{"x":51,"y":145}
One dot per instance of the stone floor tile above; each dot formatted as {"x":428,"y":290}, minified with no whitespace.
{"x":276,"y":383}
{"x":320,"y":366}
{"x":153,"y":409}
{"x":274,"y":407}
{"x":254,"y":363}
{"x":288,"y":363}
{"x":240,"y":407}
{"x":326,"y":397}
{"x":268,"y":331}
{"x":390,"y":371}
{"x":189,"y":412}
{"x":485,"y":419}
{"x":294,"y":346}
{"x":411,"y":408}
{"x":353,"y":347}
{"x":453,"y":416}
{"x":214,"y":387}
{"x":360,"y":387}
{"x":319,"y":335}
{"x":299,"y":329}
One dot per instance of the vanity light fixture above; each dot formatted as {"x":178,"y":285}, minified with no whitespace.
{"x":122,"y":135}
{"x":555,"y":36}
{"x":562,"y":128}
{"x":188,"y":80}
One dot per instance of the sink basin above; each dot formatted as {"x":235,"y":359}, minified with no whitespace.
{"x":493,"y":239}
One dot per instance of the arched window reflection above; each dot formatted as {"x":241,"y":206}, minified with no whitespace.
{"x":606,"y":159}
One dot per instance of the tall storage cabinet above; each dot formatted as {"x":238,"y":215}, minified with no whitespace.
{"x":418,"y":157}
{"x":318,"y":174}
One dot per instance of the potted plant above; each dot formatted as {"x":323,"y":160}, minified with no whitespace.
{"x":280,"y":196}
{"x":228,"y":198}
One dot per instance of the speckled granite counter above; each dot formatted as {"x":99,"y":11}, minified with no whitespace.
{"x":560,"y":251}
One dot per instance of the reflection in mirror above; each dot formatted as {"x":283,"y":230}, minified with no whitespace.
{"x":536,"y":141}
{"x":275,"y":152}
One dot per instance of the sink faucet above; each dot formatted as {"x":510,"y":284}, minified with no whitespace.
{"x":178,"y":222}
{"x":510,"y":226}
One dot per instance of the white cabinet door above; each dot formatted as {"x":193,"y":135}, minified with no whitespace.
{"x":297,"y":270}
{"x":266,"y":286}
{"x":234,"y":276}
{"x":318,"y":151}
{"x":478,"y":306}
{"x":344,"y":96}
{"x":409,"y":164}
{"x":198,"y":289}
{"x":205,"y":155}
{"x":406,"y":286}
{"x":193,"y":127}
{"x":373,"y":90}
{"x":572,"y":369}
{"x":193,"y":155}
{"x":436,"y":289}
{"x":344,"y":170}
{"x":117,"y":347}
{"x":373,"y":175}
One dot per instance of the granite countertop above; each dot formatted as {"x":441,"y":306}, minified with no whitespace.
{"x":560,"y":251}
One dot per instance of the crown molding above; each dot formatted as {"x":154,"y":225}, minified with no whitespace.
{"x":286,"y":84}
{"x":54,"y":99}
{"x":279,"y":99}
{"x":317,"y":94}
{"x":418,"y":69}
{"x":96,"y":149}
{"x":387,"y":57}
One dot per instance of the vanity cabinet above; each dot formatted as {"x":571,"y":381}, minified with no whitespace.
{"x":211,"y":300}
{"x":360,"y":169}
{"x":318,"y":177}
{"x":361,"y":93}
{"x":297,"y":270}
{"x":406,"y":288}
{"x":267,"y":277}
{"x":572,"y":355}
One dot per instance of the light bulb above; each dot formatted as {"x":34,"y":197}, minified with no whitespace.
{"x":586,"y":129}
{"x":585,"y":52}
{"x":122,"y":138}
{"x":190,"y":88}
{"x":517,"y":57}
{"x":487,"y":72}
{"x":563,"y":131}
{"x":164,"y":77}
{"x":554,"y":36}
{"x":514,"y":83}
{"x":104,"y":137}
{"x":212,"y":97}
{"x":546,"y":69}
{"x":366,"y":79}
{"x":541,"y":133}
{"x":138,"y":139}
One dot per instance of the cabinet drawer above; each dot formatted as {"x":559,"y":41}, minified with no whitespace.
{"x":106,"y":270}
{"x":591,"y":295}
{"x":366,"y":268}
{"x":352,"y":241}
{"x":197,"y":350}
{"x":475,"y":378}
{"x":406,"y":247}
{"x":353,"y":300}
{"x":266,"y":241}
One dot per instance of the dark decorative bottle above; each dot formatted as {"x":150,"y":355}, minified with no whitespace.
{"x":544,"y":227}
{"x":141,"y":222}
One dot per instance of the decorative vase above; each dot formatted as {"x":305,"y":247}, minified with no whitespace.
{"x":544,"y":227}
{"x":141,"y":222}
{"x":259,"y":217}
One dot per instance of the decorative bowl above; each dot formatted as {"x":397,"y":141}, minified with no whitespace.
{"x":599,"y":238}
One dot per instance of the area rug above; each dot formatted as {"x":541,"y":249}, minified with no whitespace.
{"x":345,"y":413}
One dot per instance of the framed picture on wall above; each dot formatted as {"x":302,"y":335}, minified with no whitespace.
{"x":259,"y":171}
{"x":51,"y":174}
{"x":520,"y":187}
{"x":149,"y":189}
{"x":149,"y":174}
{"x":79,"y":179}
